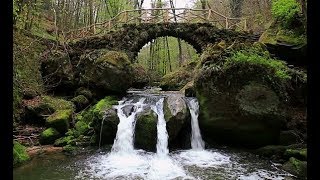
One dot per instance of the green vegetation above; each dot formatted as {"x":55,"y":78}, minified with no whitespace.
{"x":57,"y":103}
{"x":253,"y":56}
{"x":115,"y":58}
{"x":49,"y":135}
{"x":60,"y":120}
{"x":27,"y":79}
{"x":19,"y":154}
{"x":285,"y":10}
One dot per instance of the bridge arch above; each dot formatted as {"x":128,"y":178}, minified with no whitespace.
{"x":130,"y":38}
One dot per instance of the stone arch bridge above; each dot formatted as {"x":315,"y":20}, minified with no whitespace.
{"x":132,"y":37}
{"x":130,"y":30}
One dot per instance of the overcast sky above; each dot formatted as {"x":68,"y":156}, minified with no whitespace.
{"x":177,"y":3}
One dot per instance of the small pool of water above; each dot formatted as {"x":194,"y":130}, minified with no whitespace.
{"x":185,"y":164}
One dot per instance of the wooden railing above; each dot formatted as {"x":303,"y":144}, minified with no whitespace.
{"x":161,"y":15}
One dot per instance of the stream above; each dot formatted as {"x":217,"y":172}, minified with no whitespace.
{"x":123,"y":161}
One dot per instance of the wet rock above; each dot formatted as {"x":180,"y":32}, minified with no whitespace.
{"x":146,"y":130}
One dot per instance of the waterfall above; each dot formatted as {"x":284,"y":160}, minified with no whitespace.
{"x":162,"y":141}
{"x":196,"y":139}
{"x":124,"y":137}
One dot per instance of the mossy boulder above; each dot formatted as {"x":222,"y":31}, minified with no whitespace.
{"x":20,"y":154}
{"x":146,"y":130}
{"x":176,"y":115}
{"x":179,"y":78}
{"x":48,"y":136}
{"x":104,"y":112}
{"x":39,"y":107}
{"x":141,"y":78}
{"x":105,"y":71}
{"x":85,"y":92}
{"x":80,"y":101}
{"x":296,"y":167}
{"x":60,"y":120}
{"x":242,"y":101}
{"x":300,"y":154}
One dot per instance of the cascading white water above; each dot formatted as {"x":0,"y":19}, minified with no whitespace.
{"x":162,"y":141}
{"x":123,"y":142}
{"x":124,"y":162}
{"x":196,"y":139}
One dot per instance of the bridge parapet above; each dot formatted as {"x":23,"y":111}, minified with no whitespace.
{"x":160,"y":16}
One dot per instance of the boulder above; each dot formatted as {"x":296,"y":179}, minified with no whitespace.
{"x":176,"y":115}
{"x":48,"y":136}
{"x":105,"y":71}
{"x":80,"y":101}
{"x":38,"y":108}
{"x":20,"y":154}
{"x":60,"y":120}
{"x":296,"y":167}
{"x":146,"y":130}
{"x":103,"y":113}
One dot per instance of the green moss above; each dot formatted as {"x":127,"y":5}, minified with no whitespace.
{"x":146,"y":131}
{"x":296,"y":167}
{"x":20,"y":154}
{"x":69,"y":148}
{"x":105,"y":103}
{"x":118,"y":59}
{"x":26,"y":70}
{"x":83,"y":91}
{"x":57,"y":103}
{"x":286,"y":10}
{"x":252,"y":56}
{"x":49,"y":136}
{"x":60,"y":120}
{"x":81,"y":127}
{"x":300,"y":154}
{"x":176,"y":79}
{"x":63,"y":141}
{"x":276,"y":34}
{"x":80,"y":99}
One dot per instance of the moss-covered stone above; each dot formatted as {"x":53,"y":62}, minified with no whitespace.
{"x":80,"y":101}
{"x":178,"y":78}
{"x":85,"y":92}
{"x":146,"y":130}
{"x":39,"y":107}
{"x":102,"y":68}
{"x":19,"y":154}
{"x":60,"y":120}
{"x":296,"y":167}
{"x":242,"y":102}
{"x":141,"y":78}
{"x":300,"y":154}
{"x":48,"y":136}
{"x":93,"y":117}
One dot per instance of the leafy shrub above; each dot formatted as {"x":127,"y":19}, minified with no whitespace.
{"x":286,"y":10}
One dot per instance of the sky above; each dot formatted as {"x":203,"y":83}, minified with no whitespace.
{"x":177,"y":3}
